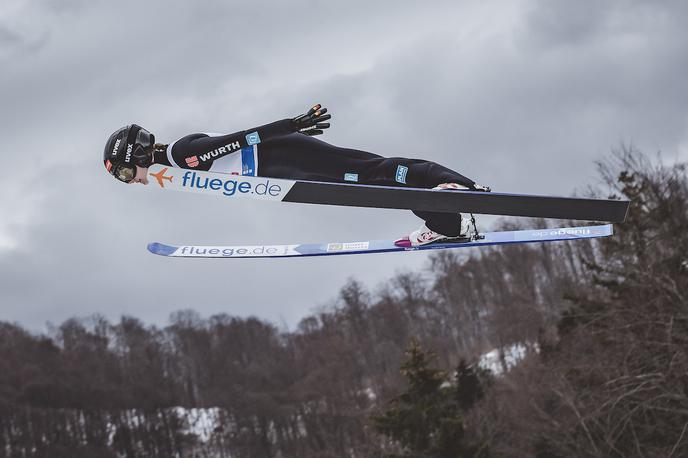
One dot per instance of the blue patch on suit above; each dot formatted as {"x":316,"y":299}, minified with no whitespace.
{"x":401,"y":174}
{"x":253,"y":138}
{"x":351,"y":177}
{"x":248,"y":162}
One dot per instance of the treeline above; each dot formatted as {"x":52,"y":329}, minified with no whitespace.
{"x":605,"y":326}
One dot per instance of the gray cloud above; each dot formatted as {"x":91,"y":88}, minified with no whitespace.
{"x":522,"y":96}
{"x":18,"y":45}
{"x":9,"y":37}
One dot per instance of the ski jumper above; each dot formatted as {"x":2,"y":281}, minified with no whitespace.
{"x":273,"y":150}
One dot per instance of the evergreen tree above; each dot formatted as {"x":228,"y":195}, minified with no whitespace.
{"x":428,"y":419}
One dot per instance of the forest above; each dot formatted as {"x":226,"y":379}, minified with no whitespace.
{"x":395,"y":370}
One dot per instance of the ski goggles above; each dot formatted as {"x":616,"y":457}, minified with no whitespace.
{"x":124,"y":172}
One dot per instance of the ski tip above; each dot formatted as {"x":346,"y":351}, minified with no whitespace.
{"x":161,"y":249}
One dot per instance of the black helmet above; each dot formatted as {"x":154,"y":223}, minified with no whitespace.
{"x":125,"y":149}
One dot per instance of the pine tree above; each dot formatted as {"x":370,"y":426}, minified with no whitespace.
{"x":427,"y":420}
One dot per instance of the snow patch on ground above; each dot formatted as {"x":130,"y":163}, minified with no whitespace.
{"x":512,"y":355}
{"x":200,"y":422}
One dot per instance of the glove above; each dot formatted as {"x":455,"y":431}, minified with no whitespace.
{"x":311,"y":123}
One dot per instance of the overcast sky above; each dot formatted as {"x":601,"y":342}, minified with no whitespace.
{"x":520,"y":95}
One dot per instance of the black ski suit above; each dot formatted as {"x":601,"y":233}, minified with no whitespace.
{"x":281,"y":153}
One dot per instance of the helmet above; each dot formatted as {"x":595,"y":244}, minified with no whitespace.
{"x":125,"y":149}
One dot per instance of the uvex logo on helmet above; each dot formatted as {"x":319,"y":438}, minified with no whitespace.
{"x":116,"y":147}
{"x":130,"y":148}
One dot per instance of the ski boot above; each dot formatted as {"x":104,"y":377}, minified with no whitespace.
{"x":425,"y":236}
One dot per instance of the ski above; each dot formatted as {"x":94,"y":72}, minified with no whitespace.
{"x":357,"y":195}
{"x":377,"y":246}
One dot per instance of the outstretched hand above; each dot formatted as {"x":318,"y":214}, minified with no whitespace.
{"x":311,"y":123}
